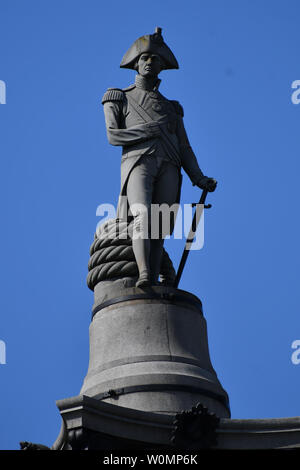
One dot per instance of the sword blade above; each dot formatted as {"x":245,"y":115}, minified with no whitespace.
{"x":191,"y":236}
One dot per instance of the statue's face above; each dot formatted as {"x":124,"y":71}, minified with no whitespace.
{"x":149,"y":65}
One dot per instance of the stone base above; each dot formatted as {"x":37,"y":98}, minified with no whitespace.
{"x":95,"y":425}
{"x":149,"y":350}
{"x":150,"y":383}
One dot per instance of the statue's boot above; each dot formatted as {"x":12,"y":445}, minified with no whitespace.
{"x":143,"y":280}
{"x":156,"y":250}
{"x":141,"y":249}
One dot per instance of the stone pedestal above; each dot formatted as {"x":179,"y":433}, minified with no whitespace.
{"x":150,"y":384}
{"x":94,"y":425}
{"x":149,"y":351}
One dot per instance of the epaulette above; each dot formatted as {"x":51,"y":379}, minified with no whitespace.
{"x":113,"y":94}
{"x":178,"y":107}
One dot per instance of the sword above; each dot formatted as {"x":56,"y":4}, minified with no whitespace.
{"x":191,"y":235}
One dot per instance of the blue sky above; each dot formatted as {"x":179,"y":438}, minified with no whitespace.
{"x":238,"y":59}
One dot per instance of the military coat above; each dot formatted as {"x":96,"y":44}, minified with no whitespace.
{"x":161,"y":133}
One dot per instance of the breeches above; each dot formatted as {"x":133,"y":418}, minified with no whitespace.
{"x":151,"y":183}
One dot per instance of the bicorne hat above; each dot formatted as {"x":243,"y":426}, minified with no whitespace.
{"x":153,"y":43}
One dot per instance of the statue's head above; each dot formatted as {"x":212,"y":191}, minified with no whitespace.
{"x":149,"y":65}
{"x":149,"y":55}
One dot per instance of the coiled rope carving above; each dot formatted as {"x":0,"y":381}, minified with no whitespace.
{"x":111,"y":255}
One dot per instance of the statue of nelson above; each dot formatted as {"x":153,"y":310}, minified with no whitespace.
{"x":150,"y":129}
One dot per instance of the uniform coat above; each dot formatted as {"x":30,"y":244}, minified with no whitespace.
{"x":163,"y":136}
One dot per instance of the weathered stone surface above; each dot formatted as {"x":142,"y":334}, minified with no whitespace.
{"x":102,"y":425}
{"x":152,"y":352}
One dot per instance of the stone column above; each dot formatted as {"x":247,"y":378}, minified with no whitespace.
{"x":149,"y":350}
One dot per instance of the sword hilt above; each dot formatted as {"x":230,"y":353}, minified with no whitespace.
{"x":206,"y":206}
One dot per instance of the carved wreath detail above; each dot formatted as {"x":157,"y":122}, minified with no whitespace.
{"x":195,"y":429}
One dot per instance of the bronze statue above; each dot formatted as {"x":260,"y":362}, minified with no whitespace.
{"x":150,"y":129}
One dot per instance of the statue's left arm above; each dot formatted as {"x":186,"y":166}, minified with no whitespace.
{"x":188,"y":158}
